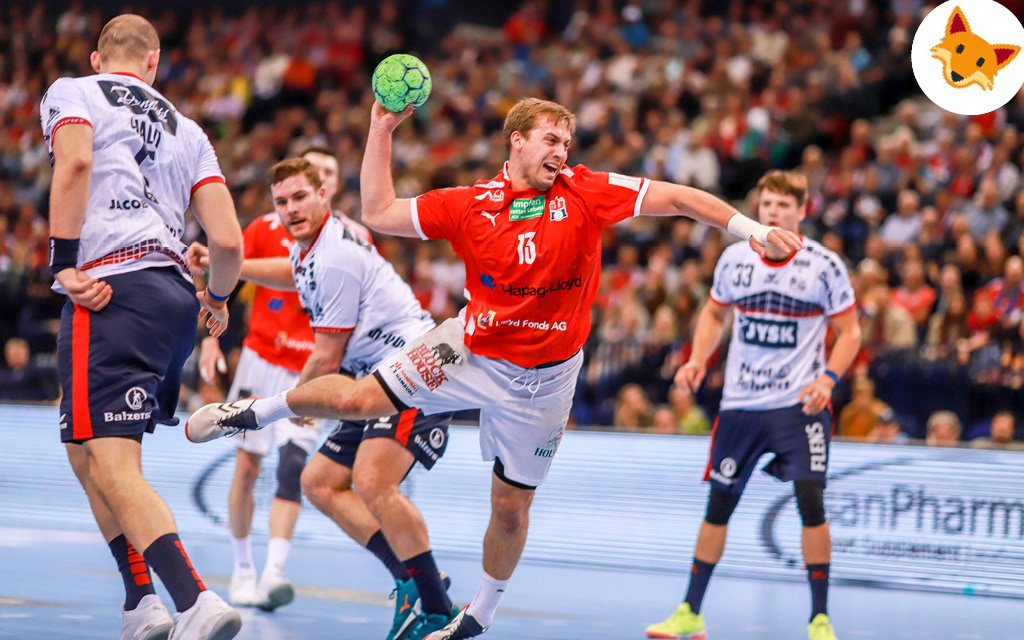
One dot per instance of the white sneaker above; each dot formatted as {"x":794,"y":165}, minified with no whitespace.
{"x":219,"y":419}
{"x":210,"y":618}
{"x":243,"y":591}
{"x":150,"y":620}
{"x":276,"y":591}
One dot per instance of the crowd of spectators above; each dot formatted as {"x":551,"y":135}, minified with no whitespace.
{"x":926,"y":206}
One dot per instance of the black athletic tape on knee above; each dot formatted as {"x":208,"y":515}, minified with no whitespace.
{"x":810,"y":502}
{"x":291,"y":460}
{"x":721,"y":504}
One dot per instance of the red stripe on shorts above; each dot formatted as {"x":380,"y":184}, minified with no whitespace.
{"x":81,"y":428}
{"x":707,"y":469}
{"x":405,"y":422}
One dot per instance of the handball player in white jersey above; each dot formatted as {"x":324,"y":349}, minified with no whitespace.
{"x":277,"y":345}
{"x":362,"y":313}
{"x":126,"y":166}
{"x":530,"y":239}
{"x":778,"y":389}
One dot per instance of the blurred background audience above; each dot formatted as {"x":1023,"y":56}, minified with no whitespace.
{"x":926,"y":206}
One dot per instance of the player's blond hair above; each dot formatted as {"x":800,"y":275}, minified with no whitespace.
{"x":788,"y":183}
{"x":524,"y":115}
{"x":293,"y":167}
{"x":127,"y":37}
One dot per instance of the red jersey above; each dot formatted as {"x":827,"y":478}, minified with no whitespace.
{"x":533,"y":258}
{"x":278,"y":328}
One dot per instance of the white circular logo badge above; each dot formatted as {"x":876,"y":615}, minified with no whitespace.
{"x":728,"y":467}
{"x":967,"y":56}
{"x":436,"y":437}
{"x":134,"y":398}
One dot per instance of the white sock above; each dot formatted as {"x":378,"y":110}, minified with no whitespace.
{"x":242,"y":548}
{"x":277,"y":556}
{"x":272,"y":409}
{"x":485,"y":602}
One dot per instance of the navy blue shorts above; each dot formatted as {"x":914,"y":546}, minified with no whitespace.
{"x":426,"y":437}
{"x":800,"y":444}
{"x":120,"y":368}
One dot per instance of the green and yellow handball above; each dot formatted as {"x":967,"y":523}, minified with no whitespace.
{"x":399,"y":80}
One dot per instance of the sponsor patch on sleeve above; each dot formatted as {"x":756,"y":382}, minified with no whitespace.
{"x":628,"y":182}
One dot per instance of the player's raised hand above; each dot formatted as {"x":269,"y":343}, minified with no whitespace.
{"x":785,"y":241}
{"x":84,"y":290}
{"x":388,"y":120}
{"x":817,"y":395}
{"x":214,"y":313}
{"x":198,"y":258}
{"x":690,"y":375}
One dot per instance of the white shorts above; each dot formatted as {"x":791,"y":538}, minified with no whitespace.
{"x":523,"y":412}
{"x":257,"y":377}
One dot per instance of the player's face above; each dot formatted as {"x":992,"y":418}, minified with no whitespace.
{"x":537,"y":157}
{"x":328,"y":168}
{"x":300,"y":206}
{"x":779,"y":210}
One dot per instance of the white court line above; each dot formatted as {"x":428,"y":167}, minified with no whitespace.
{"x":18,"y":537}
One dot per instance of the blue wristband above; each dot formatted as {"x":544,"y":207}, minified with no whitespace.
{"x":213,"y":296}
{"x":832,"y":374}
{"x":63,"y":254}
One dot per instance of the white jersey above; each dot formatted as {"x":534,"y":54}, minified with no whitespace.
{"x":147,"y":161}
{"x":781,"y":316}
{"x":346,"y":286}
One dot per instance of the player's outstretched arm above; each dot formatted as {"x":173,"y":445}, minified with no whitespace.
{"x":69,"y":195}
{"x":275,"y":273}
{"x":382,"y":211}
{"x":667,"y":199}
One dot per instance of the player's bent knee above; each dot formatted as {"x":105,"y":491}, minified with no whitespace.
{"x":356,"y":399}
{"x":372,"y":487}
{"x":247,"y":467}
{"x":313,"y":486}
{"x":349,"y":406}
{"x":721,"y":504}
{"x":810,"y":502}
{"x":511,"y":511}
{"x":247,"y":475}
{"x":290,"y":463}
{"x":79,"y":459}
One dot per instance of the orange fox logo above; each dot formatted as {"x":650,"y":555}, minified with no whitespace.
{"x":967,"y":58}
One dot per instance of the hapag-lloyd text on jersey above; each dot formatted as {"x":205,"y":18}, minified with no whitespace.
{"x":539,"y":292}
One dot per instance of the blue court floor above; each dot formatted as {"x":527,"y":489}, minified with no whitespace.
{"x":57,"y":579}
